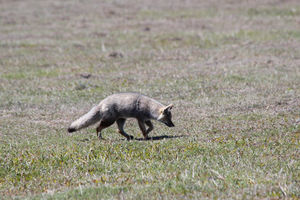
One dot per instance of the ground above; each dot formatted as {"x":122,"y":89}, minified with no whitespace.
{"x":231,"y":68}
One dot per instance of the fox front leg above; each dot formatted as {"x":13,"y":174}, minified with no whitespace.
{"x":143,"y":129}
{"x":150,"y":126}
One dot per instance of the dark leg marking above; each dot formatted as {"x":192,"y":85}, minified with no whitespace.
{"x":150,"y":126}
{"x":121,"y":123}
{"x":143,"y":128}
{"x":103,"y":124}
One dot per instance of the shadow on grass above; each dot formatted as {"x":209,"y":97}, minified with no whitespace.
{"x":160,"y":137}
{"x":143,"y":139}
{"x":84,"y":140}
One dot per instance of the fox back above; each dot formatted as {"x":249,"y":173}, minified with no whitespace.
{"x":127,"y":105}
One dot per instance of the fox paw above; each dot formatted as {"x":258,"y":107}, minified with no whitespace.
{"x":101,"y":138}
{"x":130,"y":137}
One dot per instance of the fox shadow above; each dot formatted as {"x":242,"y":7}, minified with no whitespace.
{"x":161,"y":137}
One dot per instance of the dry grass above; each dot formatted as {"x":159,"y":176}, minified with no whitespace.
{"x":232,"y":70}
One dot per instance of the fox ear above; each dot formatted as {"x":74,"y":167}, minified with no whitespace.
{"x":168,"y":108}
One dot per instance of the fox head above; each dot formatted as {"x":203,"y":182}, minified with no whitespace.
{"x":165,"y":116}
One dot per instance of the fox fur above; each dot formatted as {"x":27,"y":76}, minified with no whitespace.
{"x":118,"y":107}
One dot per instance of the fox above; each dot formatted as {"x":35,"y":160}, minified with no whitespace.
{"x":121,"y":106}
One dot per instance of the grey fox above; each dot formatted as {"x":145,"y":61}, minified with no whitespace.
{"x":119,"y":107}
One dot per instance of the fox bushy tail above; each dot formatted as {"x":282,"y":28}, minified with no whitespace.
{"x":86,"y":120}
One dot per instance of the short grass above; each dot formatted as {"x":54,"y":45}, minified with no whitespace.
{"x":231,"y":68}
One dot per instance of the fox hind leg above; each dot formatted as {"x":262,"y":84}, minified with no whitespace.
{"x":121,"y":123}
{"x":103,"y":124}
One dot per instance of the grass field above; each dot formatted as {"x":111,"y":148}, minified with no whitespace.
{"x":231,"y":68}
